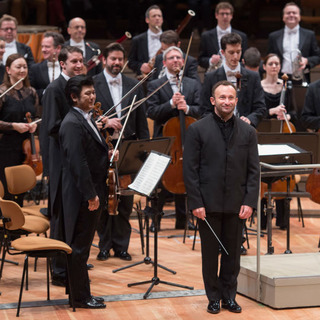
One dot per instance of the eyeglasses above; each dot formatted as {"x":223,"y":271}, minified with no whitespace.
{"x":8,"y":29}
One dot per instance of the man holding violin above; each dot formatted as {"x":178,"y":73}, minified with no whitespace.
{"x":166,"y":103}
{"x":111,"y":85}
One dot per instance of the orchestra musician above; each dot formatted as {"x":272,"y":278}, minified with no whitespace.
{"x":164,"y":105}
{"x":43,"y":73}
{"x":210,"y":47}
{"x":251,"y":105}
{"x":111,"y":85}
{"x":8,"y":30}
{"x":222,"y":176}
{"x":55,"y":107}
{"x":2,"y":51}
{"x":77,"y":30}
{"x":285,"y":41}
{"x":170,"y":38}
{"x":145,"y":46}
{"x":13,"y":108}
{"x":85,"y":164}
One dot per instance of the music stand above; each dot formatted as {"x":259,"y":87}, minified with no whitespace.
{"x":133,"y":155}
{"x":146,"y":183}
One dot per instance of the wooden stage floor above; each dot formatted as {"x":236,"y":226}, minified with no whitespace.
{"x":165,"y":302}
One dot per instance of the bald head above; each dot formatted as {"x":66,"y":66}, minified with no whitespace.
{"x":77,"y":29}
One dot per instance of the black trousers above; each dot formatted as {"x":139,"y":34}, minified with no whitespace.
{"x":81,"y":244}
{"x":114,"y":231}
{"x":228,"y":227}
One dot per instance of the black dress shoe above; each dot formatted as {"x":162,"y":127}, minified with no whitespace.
{"x":152,"y":227}
{"x":99,"y":299}
{"x":91,"y":303}
{"x":103,"y":255}
{"x":243,"y":250}
{"x":123,"y":255}
{"x":58,"y":281}
{"x":214,"y":306}
{"x":231,"y":305}
{"x":90,"y":266}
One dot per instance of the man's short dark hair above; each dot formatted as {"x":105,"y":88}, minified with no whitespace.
{"x":7,"y":17}
{"x":58,"y":39}
{"x":222,"y":83}
{"x":154,"y":7}
{"x":252,"y":57}
{"x":230,"y":38}
{"x":75,"y":84}
{"x":224,"y":5}
{"x":169,"y":37}
{"x":65,"y":51}
{"x":114,"y":46}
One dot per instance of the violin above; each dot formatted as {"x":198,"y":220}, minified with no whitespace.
{"x":31,"y":148}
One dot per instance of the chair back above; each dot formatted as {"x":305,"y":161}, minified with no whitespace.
{"x":12,"y":210}
{"x":20,"y":179}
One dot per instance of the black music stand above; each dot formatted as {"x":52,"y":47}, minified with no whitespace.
{"x":133,"y":154}
{"x":153,"y":194}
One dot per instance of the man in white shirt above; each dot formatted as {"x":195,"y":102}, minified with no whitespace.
{"x":145,"y":46}
{"x":8,"y":30}
{"x":77,"y":30}
{"x":294,"y":45}
{"x":210,"y":54}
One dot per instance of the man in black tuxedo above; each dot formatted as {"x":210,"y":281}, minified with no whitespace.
{"x":209,"y":55}
{"x":114,"y":230}
{"x":222,"y":177}
{"x":251,"y":106}
{"x":165,"y":104}
{"x":145,"y":46}
{"x":55,"y":107}
{"x":84,"y":154}
{"x":168,"y":39}
{"x":43,"y":73}
{"x":310,"y":116}
{"x":287,"y":41}
{"x":77,"y":30}
{"x":2,"y":51}
{"x":8,"y":30}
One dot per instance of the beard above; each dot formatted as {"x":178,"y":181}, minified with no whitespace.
{"x":115,"y":70}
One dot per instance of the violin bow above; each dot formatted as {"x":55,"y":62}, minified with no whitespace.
{"x":15,"y":84}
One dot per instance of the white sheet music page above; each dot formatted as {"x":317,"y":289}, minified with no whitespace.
{"x":275,"y":149}
{"x":150,"y":173}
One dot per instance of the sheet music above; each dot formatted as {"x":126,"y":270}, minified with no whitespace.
{"x":275,"y":149}
{"x":150,"y":173}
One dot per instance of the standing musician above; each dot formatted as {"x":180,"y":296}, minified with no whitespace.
{"x":292,"y":37}
{"x":43,"y":73}
{"x":209,"y":56}
{"x":222,"y":176}
{"x":111,"y":85}
{"x":251,"y":105}
{"x":85,"y":163}
{"x":13,"y":108}
{"x":55,"y":107}
{"x":166,"y":103}
{"x":77,"y":30}
{"x":8,"y":30}
{"x":168,"y":39}
{"x":145,"y":46}
{"x":2,"y":51}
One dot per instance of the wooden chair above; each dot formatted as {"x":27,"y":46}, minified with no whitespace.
{"x":32,"y":246}
{"x":21,"y":179}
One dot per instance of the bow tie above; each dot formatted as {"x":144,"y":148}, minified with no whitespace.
{"x":223,"y":32}
{"x":173,"y":81}
{"x":50,"y":64}
{"x":88,"y":116}
{"x":10,"y":45}
{"x":292,"y":31}
{"x":155,"y":36}
{"x":232,"y":74}
{"x":115,"y":81}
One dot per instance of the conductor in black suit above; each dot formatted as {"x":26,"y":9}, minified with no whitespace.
{"x":287,"y":41}
{"x":111,"y":85}
{"x":55,"y":107}
{"x":222,"y":177}
{"x":43,"y":73}
{"x":145,"y":46}
{"x":168,"y":39}
{"x":8,"y":30}
{"x":251,"y":105}
{"x":165,"y":104}
{"x":209,"y":55}
{"x":84,"y":155}
{"x":77,"y":30}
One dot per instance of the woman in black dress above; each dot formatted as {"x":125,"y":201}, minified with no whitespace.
{"x":13,"y":108}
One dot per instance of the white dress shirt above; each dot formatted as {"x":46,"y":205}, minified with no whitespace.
{"x":154,"y":43}
{"x":80,"y":45}
{"x":57,"y":70}
{"x":115,"y":87}
{"x":11,"y":48}
{"x":290,"y":45}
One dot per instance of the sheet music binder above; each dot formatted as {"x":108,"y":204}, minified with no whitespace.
{"x":150,"y":173}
